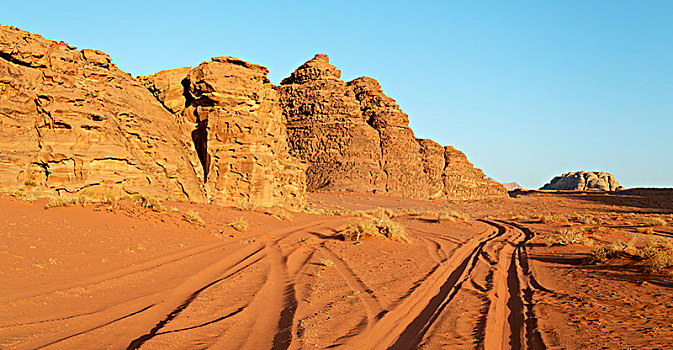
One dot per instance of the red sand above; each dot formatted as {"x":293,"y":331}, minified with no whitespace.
{"x":78,"y":278}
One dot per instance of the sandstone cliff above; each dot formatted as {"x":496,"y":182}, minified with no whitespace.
{"x":584,"y":181}
{"x":241,"y":137}
{"x":356,"y":138}
{"x":71,"y":120}
{"x":327,"y":129}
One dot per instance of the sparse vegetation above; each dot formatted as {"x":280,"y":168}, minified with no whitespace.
{"x":280,"y":214}
{"x":326,"y":262}
{"x":193,"y":217}
{"x":649,"y":222}
{"x":613,"y":250}
{"x":240,"y":224}
{"x":29,"y":183}
{"x":551,"y":218}
{"x":148,"y":202}
{"x":451,"y":216}
{"x":567,"y":236}
{"x":377,"y":228}
{"x":61,"y":202}
{"x":657,"y":255}
{"x":588,"y":220}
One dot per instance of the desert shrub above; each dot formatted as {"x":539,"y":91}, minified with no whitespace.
{"x":377,"y":228}
{"x":193,"y":217}
{"x":654,"y":222}
{"x":612,"y":250}
{"x":451,"y":216}
{"x":280,"y":214}
{"x":658,"y":255}
{"x":109,"y":198}
{"x":30,"y":183}
{"x":61,"y":202}
{"x":148,"y":202}
{"x":240,"y":224}
{"x":567,"y":236}
{"x":326,"y":262}
{"x":21,"y":193}
{"x":588,"y":220}
{"x":551,"y":218}
{"x":645,"y":230}
{"x":518,"y":217}
{"x":410,"y":211}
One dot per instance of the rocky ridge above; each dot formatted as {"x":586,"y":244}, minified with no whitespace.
{"x":356,"y":138}
{"x":71,"y":121}
{"x":584,"y":181}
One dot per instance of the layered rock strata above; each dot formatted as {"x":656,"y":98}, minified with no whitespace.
{"x":327,"y":130}
{"x":241,"y":137}
{"x":71,"y":120}
{"x":356,"y":138}
{"x":584,"y":181}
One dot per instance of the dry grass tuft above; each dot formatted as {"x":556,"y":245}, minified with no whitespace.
{"x":193,"y":217}
{"x":567,"y":236}
{"x":645,"y":230}
{"x":280,"y":214}
{"x":240,"y":224}
{"x":649,"y":222}
{"x":326,"y":262}
{"x":451,"y":216}
{"x":588,"y":220}
{"x":148,"y":202}
{"x":377,"y":228}
{"x":658,"y":255}
{"x":551,"y":218}
{"x":613,"y":250}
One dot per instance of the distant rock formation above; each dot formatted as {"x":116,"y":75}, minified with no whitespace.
{"x":584,"y":181}
{"x":509,"y":186}
{"x":512,"y":186}
{"x":356,"y":138}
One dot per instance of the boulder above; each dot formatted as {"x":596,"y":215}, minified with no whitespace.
{"x":584,"y":181}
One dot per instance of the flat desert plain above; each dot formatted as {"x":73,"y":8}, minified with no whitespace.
{"x":488,"y":274}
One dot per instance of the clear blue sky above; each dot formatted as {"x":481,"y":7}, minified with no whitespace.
{"x":527,"y":89}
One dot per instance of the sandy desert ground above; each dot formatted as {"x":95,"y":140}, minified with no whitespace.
{"x":129,"y":278}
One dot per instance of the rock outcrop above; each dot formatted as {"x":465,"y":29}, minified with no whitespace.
{"x":356,"y":138}
{"x":584,"y":181}
{"x":327,"y":130}
{"x":240,"y":136}
{"x":71,"y":120}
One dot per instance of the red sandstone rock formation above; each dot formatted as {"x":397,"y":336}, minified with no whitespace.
{"x":327,"y":129}
{"x":370,"y":148}
{"x":71,"y":120}
{"x":584,"y":181}
{"x":241,"y":137}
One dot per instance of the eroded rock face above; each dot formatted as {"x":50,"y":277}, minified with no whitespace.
{"x":400,"y":151}
{"x":327,"y":130}
{"x":462,"y":180}
{"x":71,"y":120}
{"x":356,"y":138}
{"x":584,"y":181}
{"x":168,"y":87}
{"x":241,"y":137}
